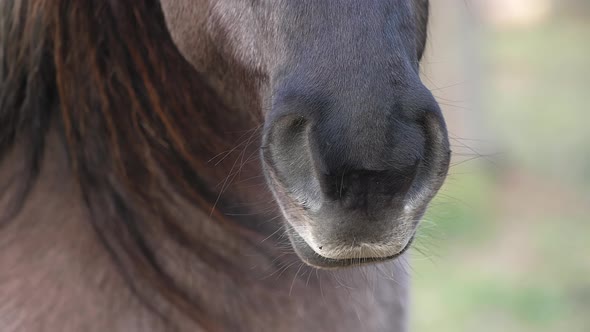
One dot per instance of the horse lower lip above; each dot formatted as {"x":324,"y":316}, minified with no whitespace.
{"x":311,"y":257}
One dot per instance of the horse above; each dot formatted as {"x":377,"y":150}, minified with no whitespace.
{"x":213,"y":165}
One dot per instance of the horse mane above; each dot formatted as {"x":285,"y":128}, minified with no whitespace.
{"x":135,"y":118}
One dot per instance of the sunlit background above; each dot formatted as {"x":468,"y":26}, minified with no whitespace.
{"x":506,"y":245}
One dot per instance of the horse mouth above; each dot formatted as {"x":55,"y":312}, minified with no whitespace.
{"x":298,"y":218}
{"x":313,"y":258}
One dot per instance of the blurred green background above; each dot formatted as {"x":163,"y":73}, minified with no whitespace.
{"x":506,"y":244}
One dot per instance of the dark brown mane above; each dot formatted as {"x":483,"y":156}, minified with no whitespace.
{"x":136,"y":119}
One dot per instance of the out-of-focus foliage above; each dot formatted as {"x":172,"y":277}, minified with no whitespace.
{"x":506,"y":245}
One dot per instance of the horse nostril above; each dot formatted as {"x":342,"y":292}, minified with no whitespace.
{"x":287,"y":151}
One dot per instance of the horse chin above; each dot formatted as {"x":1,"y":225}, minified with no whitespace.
{"x":314,"y":259}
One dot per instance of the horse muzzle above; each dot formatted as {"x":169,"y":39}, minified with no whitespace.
{"x":352,"y":184}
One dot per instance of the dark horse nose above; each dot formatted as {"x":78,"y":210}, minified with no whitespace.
{"x":365,"y":170}
{"x":359,"y":159}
